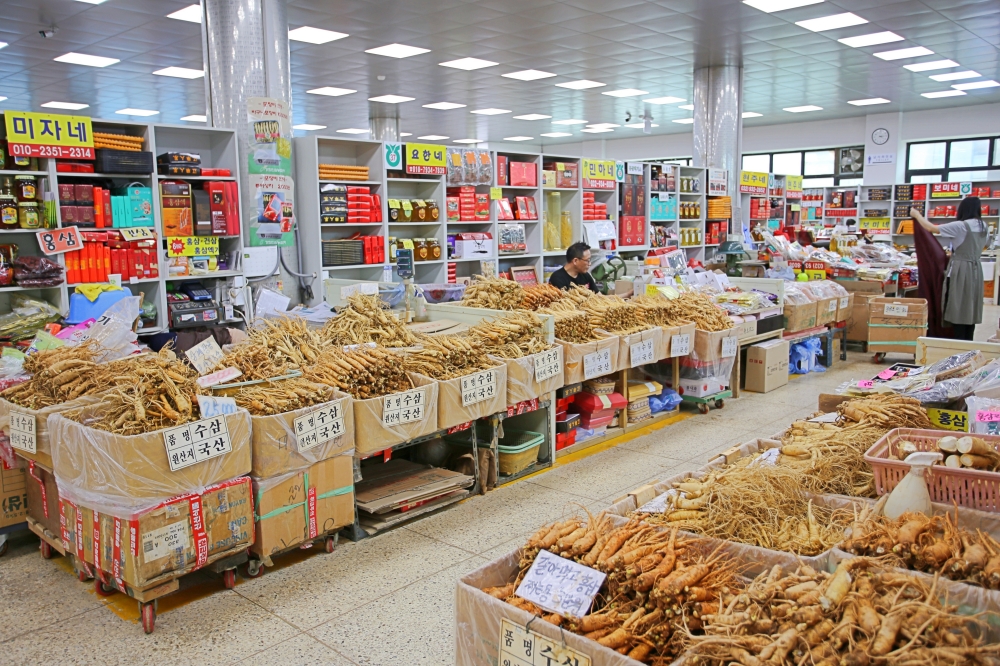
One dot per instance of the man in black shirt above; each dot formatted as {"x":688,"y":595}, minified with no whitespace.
{"x":576,"y":270}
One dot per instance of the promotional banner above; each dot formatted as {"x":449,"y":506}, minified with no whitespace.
{"x":426,"y":158}
{"x":599,"y":174}
{"x":49,"y":135}
{"x":274,"y":203}
{"x":269,"y":162}
{"x":754,"y":182}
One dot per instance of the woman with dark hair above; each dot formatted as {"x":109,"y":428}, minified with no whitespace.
{"x":963,"y":280}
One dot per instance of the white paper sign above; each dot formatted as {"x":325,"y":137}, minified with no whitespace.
{"x":659,"y":503}
{"x":560,"y":586}
{"x":642,"y":353}
{"x":547,"y":364}
{"x":597,"y":364}
{"x":319,"y":426}
{"x":165,"y":541}
{"x":663,"y":196}
{"x":634,"y":168}
{"x":524,"y":647}
{"x":23,"y":435}
{"x":205,"y":355}
{"x":196,"y":442}
{"x":219,"y":377}
{"x":729,"y":346}
{"x":211,"y":405}
{"x":680,"y":345}
{"x":478,"y":387}
{"x":833,"y":305}
{"x":896,"y":310}
{"x":136,"y":233}
{"x":406,"y":407}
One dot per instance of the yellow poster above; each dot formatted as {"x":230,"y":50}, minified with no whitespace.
{"x":49,"y":135}
{"x":192,"y":246}
{"x":426,"y":158}
{"x":876,"y":224}
{"x":754,"y":182}
{"x":949,"y":419}
{"x":793,"y":186}
{"x":599,"y":174}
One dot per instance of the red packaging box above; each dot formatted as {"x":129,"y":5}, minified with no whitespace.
{"x":68,"y":215}
{"x":217,"y":204}
{"x":502,"y":178}
{"x":452,"y":209}
{"x":588,"y":402}
{"x":356,"y":189}
{"x":532,"y":211}
{"x":482,"y":206}
{"x":458,"y":191}
{"x":67,"y":194}
{"x":233,"y":204}
{"x":358,"y":198}
{"x":588,"y":197}
{"x":504,"y":211}
{"x":596,"y":420}
{"x":522,"y":208}
{"x":523,"y":174}
{"x":83,"y":195}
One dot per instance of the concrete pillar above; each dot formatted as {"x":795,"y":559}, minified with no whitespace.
{"x":383,"y":126}
{"x":718,"y":125}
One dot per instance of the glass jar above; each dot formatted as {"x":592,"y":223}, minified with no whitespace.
{"x":434,"y":249}
{"x":432,"y":210}
{"x":28,"y":215}
{"x":420,"y":249}
{"x":8,"y":161}
{"x":392,"y":249}
{"x":8,"y":204}
{"x":26,"y":188}
{"x":566,"y":229}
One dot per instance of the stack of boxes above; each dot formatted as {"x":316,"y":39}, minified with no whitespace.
{"x":107,"y":253}
{"x":210,"y":211}
{"x":760,"y":209}
{"x":466,"y":205}
{"x":594,"y":210}
{"x":560,"y":174}
{"x":632,"y":223}
{"x":566,"y":423}
{"x":715,"y":232}
{"x":340,"y":204}
{"x":86,"y":205}
{"x":598,"y":404}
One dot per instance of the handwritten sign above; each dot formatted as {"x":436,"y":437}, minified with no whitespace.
{"x":496,"y":193}
{"x":137,"y":233}
{"x":205,"y":355}
{"x":680,"y":345}
{"x":832,"y":306}
{"x":729,"y":346}
{"x":886,"y":374}
{"x":548,"y":364}
{"x":56,"y":241}
{"x":844,"y":300}
{"x":319,"y":426}
{"x":523,"y":647}
{"x":406,"y":407}
{"x":866,"y":384}
{"x":642,"y":353}
{"x":896,"y":310}
{"x":987,"y":416}
{"x":23,"y":434}
{"x":479,"y":387}
{"x":196,"y":442}
{"x":210,"y":405}
{"x":560,"y":586}
{"x":49,"y":135}
{"x":597,"y":364}
{"x":219,"y":377}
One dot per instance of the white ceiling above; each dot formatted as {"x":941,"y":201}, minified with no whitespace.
{"x":652,"y":46}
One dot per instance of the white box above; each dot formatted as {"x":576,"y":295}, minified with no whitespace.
{"x":699,"y":388}
{"x":474,"y":245}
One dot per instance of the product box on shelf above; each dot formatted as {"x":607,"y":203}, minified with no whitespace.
{"x":474,"y":245}
{"x":567,"y":174}
{"x":523,"y":174}
{"x":293,"y":440}
{"x":296,"y":507}
{"x":894,"y":324}
{"x":632,"y":230}
{"x":800,"y":317}
{"x":13,"y":496}
{"x":523,"y":374}
{"x":767,"y":366}
{"x":383,"y":422}
{"x":503,"y":175}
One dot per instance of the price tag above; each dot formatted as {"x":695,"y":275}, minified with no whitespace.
{"x":547,"y":364}
{"x":680,"y":345}
{"x":949,"y":419}
{"x":896,"y":310}
{"x":886,"y":374}
{"x":219,"y":377}
{"x":987,"y":416}
{"x":729,"y":346}
{"x":23,"y":435}
{"x":205,"y":355}
{"x":406,"y":407}
{"x":56,"y":241}
{"x":866,"y":384}
{"x":597,"y":364}
{"x":479,"y":387}
{"x":319,"y":426}
{"x":844,"y":300}
{"x":833,"y":305}
{"x":560,"y":586}
{"x":496,"y":193}
{"x":663,"y":196}
{"x":137,"y":233}
{"x":196,"y":442}
{"x":642,"y":353}
{"x":524,"y":647}
{"x":210,"y":405}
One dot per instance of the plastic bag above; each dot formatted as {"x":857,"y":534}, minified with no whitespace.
{"x":802,"y":357}
{"x":27,"y":315}
{"x":113,"y":331}
{"x":976,"y":405}
{"x":666,"y":401}
{"x":796,"y":294}
{"x":959,"y":387}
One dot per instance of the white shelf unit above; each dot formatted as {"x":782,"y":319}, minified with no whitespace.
{"x":571,"y":200}
{"x":642,"y":210}
{"x":425,"y":188}
{"x":878,"y":208}
{"x":698,"y":176}
{"x":534,"y":230}
{"x":656,"y":190}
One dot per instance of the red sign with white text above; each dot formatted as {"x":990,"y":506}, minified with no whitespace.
{"x":56,"y":241}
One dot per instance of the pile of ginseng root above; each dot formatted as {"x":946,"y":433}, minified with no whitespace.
{"x":365,"y":372}
{"x":656,"y":582}
{"x":274,"y":348}
{"x":493,"y":293}
{"x":57,"y":375}
{"x":283,"y":396}
{"x":367,"y":319}
{"x":515,"y":335}
{"x":860,"y":615}
{"x":572,"y":325}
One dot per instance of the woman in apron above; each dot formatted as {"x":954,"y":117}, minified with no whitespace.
{"x":963,"y":282}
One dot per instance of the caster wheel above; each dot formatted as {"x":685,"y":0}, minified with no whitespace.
{"x":229,"y":578}
{"x":719,"y":404}
{"x":45,"y":549}
{"x":703,"y":407}
{"x":102,"y":590}
{"x":879,"y":357}
{"x":330,"y":544}
{"x":82,"y":576}
{"x":255,"y":569}
{"x":148,"y":617}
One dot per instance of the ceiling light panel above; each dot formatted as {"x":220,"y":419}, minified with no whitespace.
{"x":867,"y":102}
{"x":684,"y":121}
{"x":330,"y":91}
{"x":931,"y":66}
{"x":191,"y":14}
{"x":311,"y":35}
{"x":87,"y":60}
{"x":803,"y":109}
{"x":597,"y":130}
{"x":529,"y":75}
{"x":626,"y":92}
{"x":752,"y":114}
{"x":640,"y":125}
{"x":532,"y":116}
{"x":306,"y":126}
{"x":68,"y":106}
{"x":556,"y":135}
{"x":137,"y":112}
{"x":89,"y":2}
{"x":570,"y":121}
{"x":195,"y":118}
{"x":942,"y":93}
{"x":845,"y":20}
{"x":518,"y":138}
{"x":686,"y":107}
{"x":871,"y":39}
{"x":353,"y":130}
{"x":490,"y":112}
{"x":779,"y":5}
{"x":582,"y":84}
{"x":444,"y":106}
{"x":602,"y":125}
{"x":975,"y":85}
{"x":664,"y":100}
{"x":3,"y":44}
{"x":432,"y":137}
{"x":468,"y":64}
{"x":402,"y":134}
{"x":180,"y":72}
{"x":956,"y":76}
{"x":898,"y":54}
{"x":397,"y":51}
{"x":468,"y":141}
{"x":391,"y":99}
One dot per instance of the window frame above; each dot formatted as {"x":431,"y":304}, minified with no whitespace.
{"x":802,"y":162}
{"x":945,"y":171}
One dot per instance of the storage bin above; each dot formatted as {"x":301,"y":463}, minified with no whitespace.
{"x":518,"y":450}
{"x":82,"y":308}
{"x":442,"y":293}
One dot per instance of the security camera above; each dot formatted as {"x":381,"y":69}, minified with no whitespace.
{"x":48,"y":33}
{"x":628,"y":116}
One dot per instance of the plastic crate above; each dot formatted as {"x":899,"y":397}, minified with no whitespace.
{"x":442,"y":292}
{"x":123,"y":161}
{"x":518,"y":450}
{"x":971,"y":488}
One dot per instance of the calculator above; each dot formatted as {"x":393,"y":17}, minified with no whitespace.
{"x":196,"y":291}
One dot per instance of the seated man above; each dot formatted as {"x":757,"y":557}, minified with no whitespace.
{"x":577,"y":269}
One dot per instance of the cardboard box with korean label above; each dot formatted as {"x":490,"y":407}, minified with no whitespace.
{"x":676,"y":340}
{"x":746,"y":329}
{"x":800,"y":317}
{"x":712,"y":346}
{"x":383,"y":422}
{"x":533,"y":376}
{"x":894,"y":324}
{"x":13,"y":496}
{"x":471,"y":396}
{"x":100,"y":469}
{"x":575,"y":357}
{"x":43,"y":497}
{"x":767,"y":366}
{"x":826,"y":310}
{"x":42,"y":443}
{"x":294,"y":440}
{"x":294,"y":508}
{"x":845,"y":308}
{"x":156,"y":544}
{"x":651,"y":341}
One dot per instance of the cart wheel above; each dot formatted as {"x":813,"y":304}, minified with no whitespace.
{"x":330,"y":544}
{"x":703,"y":407}
{"x":148,"y":616}
{"x":720,"y":403}
{"x":45,"y":549}
{"x":879,"y":357}
{"x":82,"y":576}
{"x":3,"y":549}
{"x":255,"y":569}
{"x":102,"y":590}
{"x":229,"y":578}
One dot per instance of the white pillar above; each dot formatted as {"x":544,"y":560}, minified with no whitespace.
{"x":718,"y":124}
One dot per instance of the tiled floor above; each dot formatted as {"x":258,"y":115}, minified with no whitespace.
{"x":386,"y":600}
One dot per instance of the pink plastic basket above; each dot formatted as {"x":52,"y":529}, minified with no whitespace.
{"x":970,"y":488}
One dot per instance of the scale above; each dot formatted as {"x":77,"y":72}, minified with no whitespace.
{"x":414,"y":304}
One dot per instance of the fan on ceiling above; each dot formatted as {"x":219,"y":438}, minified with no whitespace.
{"x":852,"y":161}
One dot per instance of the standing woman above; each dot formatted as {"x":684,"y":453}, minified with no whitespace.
{"x":963,"y":280}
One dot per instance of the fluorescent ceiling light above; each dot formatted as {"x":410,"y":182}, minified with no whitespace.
{"x":191,"y":14}
{"x":687,"y":107}
{"x":195,"y":118}
{"x":626,"y":92}
{"x":353,"y":130}
{"x":942,"y":93}
{"x":468,"y":64}
{"x":391,"y":99}
{"x":84,"y":59}
{"x":955,"y":76}
{"x":600,"y":125}
{"x":556,"y":135}
{"x":752,"y":114}
{"x":871,"y":39}
{"x":92,"y":2}
{"x":2,"y":99}
{"x":779,"y":5}
{"x":684,"y":121}
{"x":68,"y":106}
{"x":137,"y":112}
{"x":490,"y":112}
{"x":314,"y":35}
{"x":432,"y":137}
{"x":444,"y":106}
{"x":397,"y":51}
{"x":664,"y":100}
{"x":866,"y":102}
{"x":582,"y":84}
{"x":532,"y":116}
{"x":402,"y":134}
{"x":803,"y":109}
{"x":932,"y":65}
{"x":330,"y":91}
{"x":833,"y":22}
{"x":529,"y":75}
{"x":571,"y":121}
{"x":3,"y":44}
{"x":518,"y":138}
{"x":640,"y":125}
{"x":468,"y":141}
{"x":180,"y":72}
{"x":597,"y":130}
{"x":308,"y":127}
{"x":912,"y":52}
{"x":975,"y":85}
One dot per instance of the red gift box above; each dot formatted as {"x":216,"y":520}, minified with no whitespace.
{"x":588,"y":402}
{"x":523,"y":174}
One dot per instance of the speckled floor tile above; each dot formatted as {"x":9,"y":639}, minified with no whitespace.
{"x":605,"y":473}
{"x":301,"y":650}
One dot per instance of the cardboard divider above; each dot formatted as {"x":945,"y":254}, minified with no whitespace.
{"x":371,"y":435}
{"x":573,"y":354}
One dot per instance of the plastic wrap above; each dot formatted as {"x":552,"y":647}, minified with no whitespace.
{"x":274,"y":444}
{"x":44,"y":443}
{"x":451,"y":412}
{"x":573,"y":354}
{"x":821,"y":289}
{"x":122,"y":474}
{"x":441,"y":293}
{"x":959,"y":387}
{"x":521,"y":382}
{"x":654,"y":335}
{"x":706,"y":360}
{"x":26,"y":316}
{"x":797,"y":294}
{"x":371,"y":435}
{"x":113,"y":331}
{"x":667,"y":400}
{"x":976,"y":404}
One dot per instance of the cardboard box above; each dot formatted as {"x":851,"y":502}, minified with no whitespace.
{"x":43,"y":497}
{"x":826,"y":311}
{"x":857,"y":323}
{"x":746,"y":329}
{"x":297,"y":507}
{"x":274,"y":444}
{"x":800,"y":317}
{"x":767,"y":366}
{"x":708,"y":344}
{"x":451,"y":411}
{"x":655,"y":335}
{"x":573,"y":354}
{"x":13,"y":496}
{"x":521,"y":382}
{"x":43,"y":443}
{"x":151,"y":546}
{"x":894,"y":324}
{"x":669,"y":332}
{"x":699,"y":388}
{"x":845,"y":306}
{"x":372,"y":435}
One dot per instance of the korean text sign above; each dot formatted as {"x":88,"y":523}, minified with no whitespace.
{"x":49,"y":135}
{"x":425,"y":158}
{"x":560,"y":586}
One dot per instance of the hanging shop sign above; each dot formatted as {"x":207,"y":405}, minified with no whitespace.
{"x":192,"y":246}
{"x":274,"y":202}
{"x":269,"y":143}
{"x":718,"y":182}
{"x":754,"y":182}
{"x":426,"y":158}
{"x":945,"y":190}
{"x":599,"y":174}
{"x":793,"y":187}
{"x":880,"y":225}
{"x":49,"y":135}
{"x":392,"y":155}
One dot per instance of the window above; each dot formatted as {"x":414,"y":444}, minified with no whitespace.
{"x":787,"y":164}
{"x":818,"y":162}
{"x":818,"y":182}
{"x":760,"y":163}
{"x":819,"y":166}
{"x":952,"y":161}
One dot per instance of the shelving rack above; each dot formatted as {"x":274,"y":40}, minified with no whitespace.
{"x":571,"y":200}
{"x":534,"y":230}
